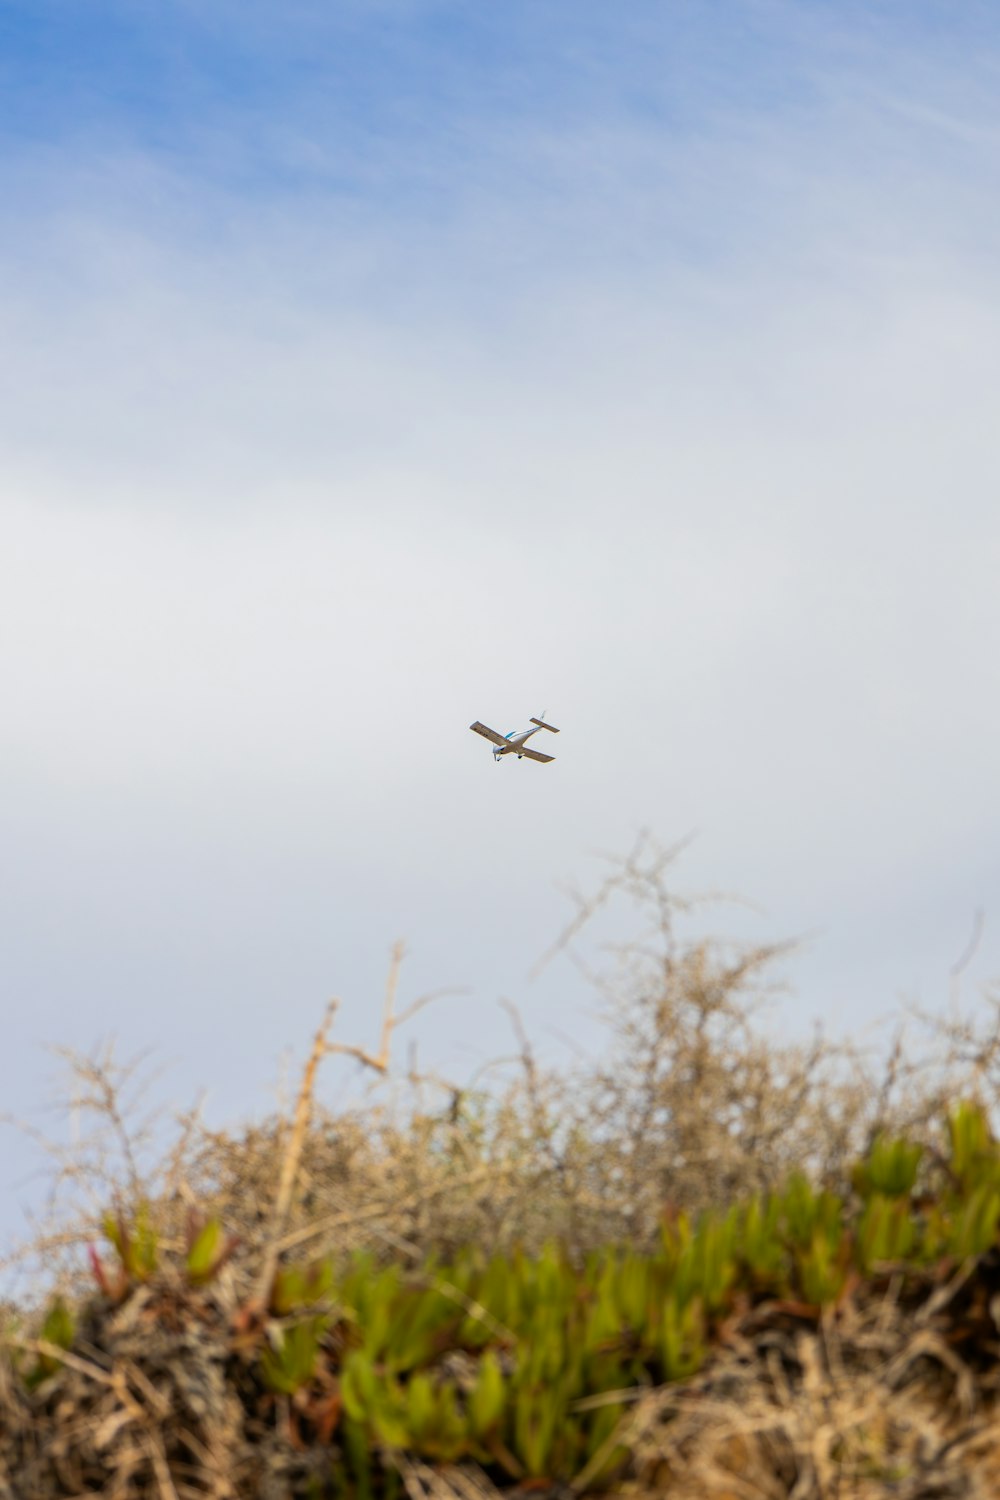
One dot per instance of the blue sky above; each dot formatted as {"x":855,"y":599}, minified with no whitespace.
{"x":166,"y":76}
{"x":405,"y":109}
{"x":374,"y":368}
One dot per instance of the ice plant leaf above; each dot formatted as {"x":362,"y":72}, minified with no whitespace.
{"x":204,"y":1252}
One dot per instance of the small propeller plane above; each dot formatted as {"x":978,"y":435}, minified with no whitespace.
{"x":515,"y":743}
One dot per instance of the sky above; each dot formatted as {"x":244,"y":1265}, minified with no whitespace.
{"x":373,"y":368}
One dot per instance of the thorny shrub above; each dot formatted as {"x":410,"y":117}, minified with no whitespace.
{"x":691,"y":1100}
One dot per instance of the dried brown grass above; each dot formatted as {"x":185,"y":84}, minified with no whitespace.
{"x":873,"y":1401}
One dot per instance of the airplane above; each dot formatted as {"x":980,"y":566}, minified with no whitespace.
{"x":515,"y":743}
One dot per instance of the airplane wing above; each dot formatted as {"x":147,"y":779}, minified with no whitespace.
{"x":534,"y":754}
{"x":488,"y":734}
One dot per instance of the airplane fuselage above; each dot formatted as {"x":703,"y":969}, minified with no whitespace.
{"x":514,"y":743}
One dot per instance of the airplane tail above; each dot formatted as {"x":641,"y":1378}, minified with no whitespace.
{"x":542,"y":724}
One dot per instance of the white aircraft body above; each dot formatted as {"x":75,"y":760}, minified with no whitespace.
{"x":515,"y":743}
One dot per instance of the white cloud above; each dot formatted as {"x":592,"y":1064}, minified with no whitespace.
{"x":689,"y":440}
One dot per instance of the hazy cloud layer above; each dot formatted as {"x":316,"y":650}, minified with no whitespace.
{"x":380,"y":375}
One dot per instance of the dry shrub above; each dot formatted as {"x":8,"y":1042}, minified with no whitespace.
{"x":691,"y":1102}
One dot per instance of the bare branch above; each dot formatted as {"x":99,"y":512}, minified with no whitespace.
{"x":292,"y":1157}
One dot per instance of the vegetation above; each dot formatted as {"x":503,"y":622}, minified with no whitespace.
{"x":706,"y":1266}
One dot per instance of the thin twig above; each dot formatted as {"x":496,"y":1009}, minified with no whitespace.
{"x":379,"y":1060}
{"x":398,"y":1205}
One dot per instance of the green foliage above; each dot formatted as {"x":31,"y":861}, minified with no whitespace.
{"x":714,"y":1258}
{"x":136,"y":1244}
{"x":821,"y":1268}
{"x":487,"y":1398}
{"x":58,"y":1329}
{"x":296,"y":1288}
{"x":59,"y":1326}
{"x":357,"y":1449}
{"x":518,"y":1362}
{"x":806,"y":1213}
{"x":760,"y":1246}
{"x":890,"y":1170}
{"x":288,"y":1362}
{"x":974,"y":1156}
{"x":680,"y":1345}
{"x":974,"y":1227}
{"x":886,"y":1232}
{"x":208,"y":1249}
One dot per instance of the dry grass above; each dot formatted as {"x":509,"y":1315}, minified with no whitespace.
{"x":872,"y":1402}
